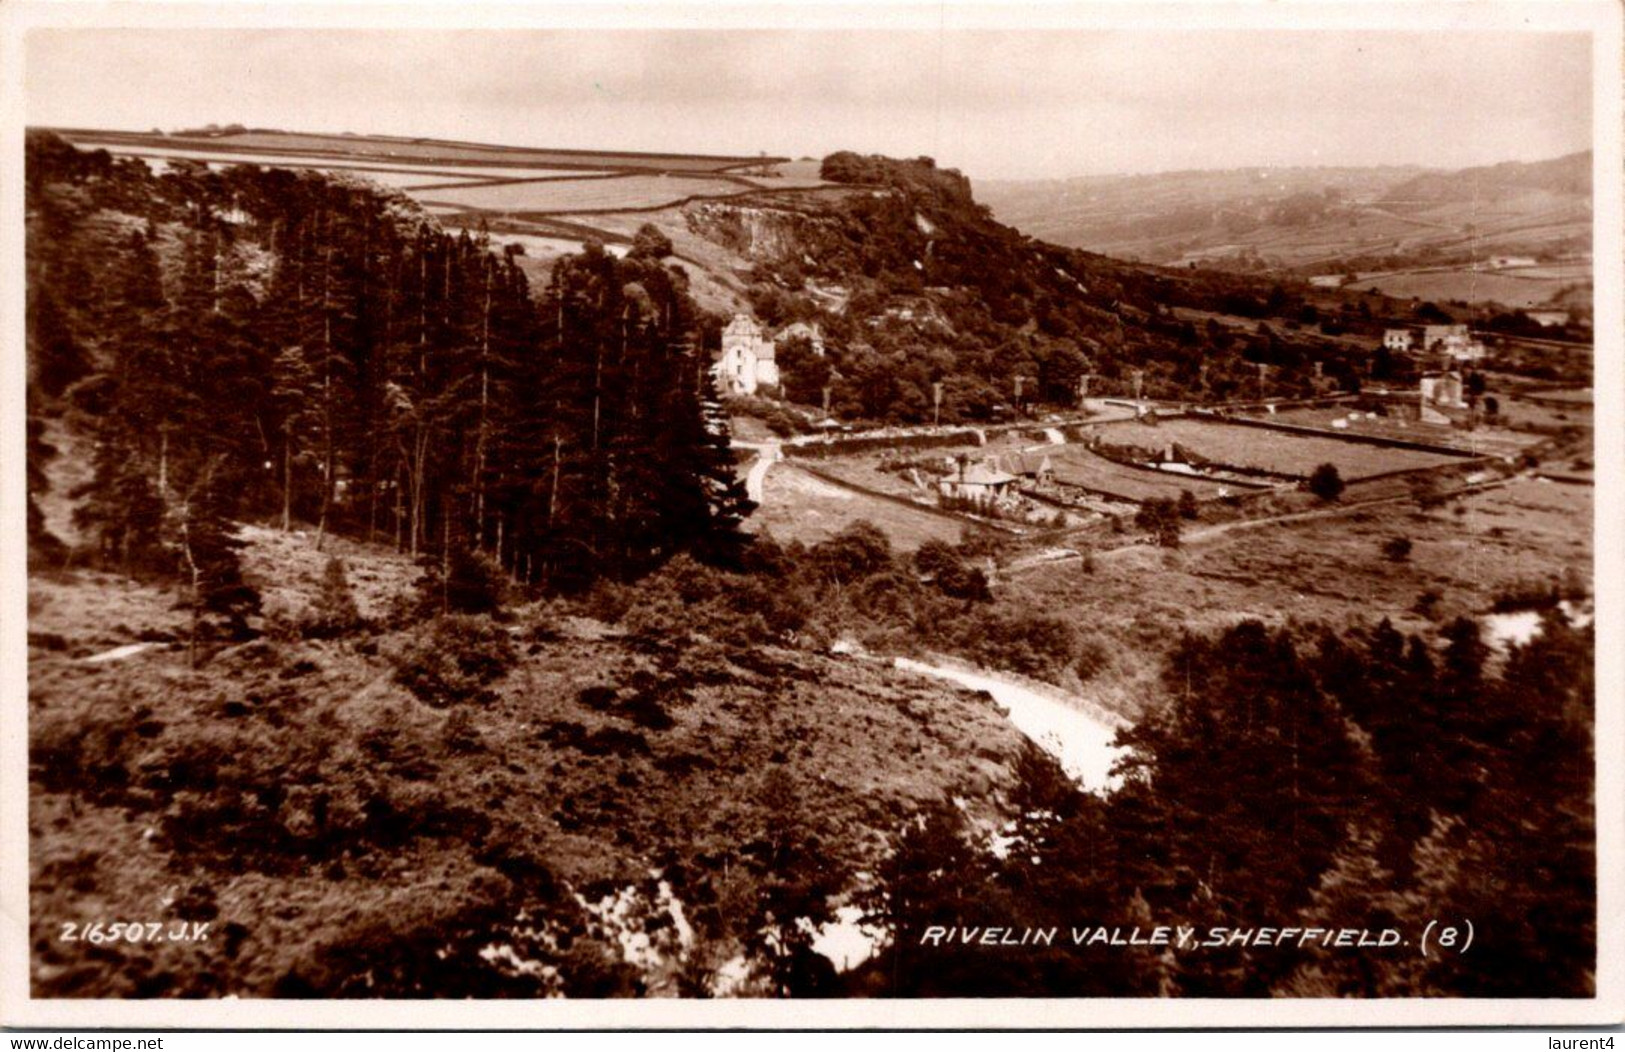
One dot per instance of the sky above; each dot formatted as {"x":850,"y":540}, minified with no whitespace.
{"x":995,"y":103}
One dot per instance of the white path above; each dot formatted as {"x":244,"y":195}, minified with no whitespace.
{"x":1081,"y":742}
{"x":767,"y":455}
{"x":120,"y":653}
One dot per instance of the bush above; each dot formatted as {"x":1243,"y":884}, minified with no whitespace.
{"x":1160,"y":518}
{"x":940,"y":562}
{"x":1396,"y":549}
{"x":1188,"y":508}
{"x":335,"y":613}
{"x":453,"y":658}
{"x":607,"y":602}
{"x":1326,"y":482}
{"x":856,"y":552}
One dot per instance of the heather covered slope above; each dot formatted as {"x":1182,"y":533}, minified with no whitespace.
{"x":334,"y":827}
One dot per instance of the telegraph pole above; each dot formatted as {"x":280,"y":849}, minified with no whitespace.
{"x":936,"y":403}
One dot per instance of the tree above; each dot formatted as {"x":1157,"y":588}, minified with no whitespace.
{"x":1160,"y":517}
{"x":55,"y":355}
{"x":1326,"y":483}
{"x":650,"y":243}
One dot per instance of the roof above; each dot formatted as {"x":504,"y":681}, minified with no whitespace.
{"x":983,"y":475}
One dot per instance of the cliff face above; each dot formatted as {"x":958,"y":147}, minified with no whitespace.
{"x":762,"y":231}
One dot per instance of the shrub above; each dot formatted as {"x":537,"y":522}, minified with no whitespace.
{"x":1188,"y":508}
{"x":607,"y":602}
{"x":939,"y":561}
{"x":475,"y":584}
{"x":459,"y":734}
{"x":453,"y":659}
{"x":1396,"y":549}
{"x":334,"y":613}
{"x":856,"y":552}
{"x":1161,"y":519}
{"x":1093,"y":659}
{"x":1326,"y":482}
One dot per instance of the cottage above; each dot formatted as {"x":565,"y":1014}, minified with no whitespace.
{"x":1548,"y":319}
{"x":748,"y":361}
{"x":978,"y":482}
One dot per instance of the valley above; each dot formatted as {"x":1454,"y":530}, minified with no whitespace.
{"x":640,"y":574}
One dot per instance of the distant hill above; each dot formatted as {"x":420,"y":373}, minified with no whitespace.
{"x":1569,"y":175}
{"x":1312,"y":220}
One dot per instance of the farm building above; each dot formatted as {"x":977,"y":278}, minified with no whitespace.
{"x":1398,"y":339}
{"x":1547,"y":319}
{"x":748,"y":360}
{"x":979,"y":482}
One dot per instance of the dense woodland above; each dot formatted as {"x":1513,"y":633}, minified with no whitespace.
{"x":1295,"y":779}
{"x":264,"y":343}
{"x":259,"y":344}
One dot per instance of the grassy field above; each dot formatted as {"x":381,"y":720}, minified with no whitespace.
{"x":571,"y":195}
{"x":1266,"y":450}
{"x":1492,"y":441}
{"x":423,"y":150}
{"x":1076,"y":466}
{"x":1468,"y":286}
{"x":797,"y":506}
{"x":1328,"y":570}
{"x":443,"y":172}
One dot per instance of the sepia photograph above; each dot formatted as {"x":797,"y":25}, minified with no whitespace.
{"x":1088,"y":505}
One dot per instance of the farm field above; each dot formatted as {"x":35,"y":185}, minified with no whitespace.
{"x":1272,"y":450}
{"x":583,"y":195}
{"x":1556,"y":271}
{"x":1076,"y":466}
{"x":797,"y":506}
{"x":424,"y":149}
{"x":1484,"y":440}
{"x":1469,"y":286}
{"x":444,"y":173}
{"x":1576,"y":397}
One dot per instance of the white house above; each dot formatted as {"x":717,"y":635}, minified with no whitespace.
{"x":747,"y":361}
{"x":1397,"y":339}
{"x":1442,"y":390}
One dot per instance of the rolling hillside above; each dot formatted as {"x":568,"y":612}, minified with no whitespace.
{"x":1314,"y":220}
